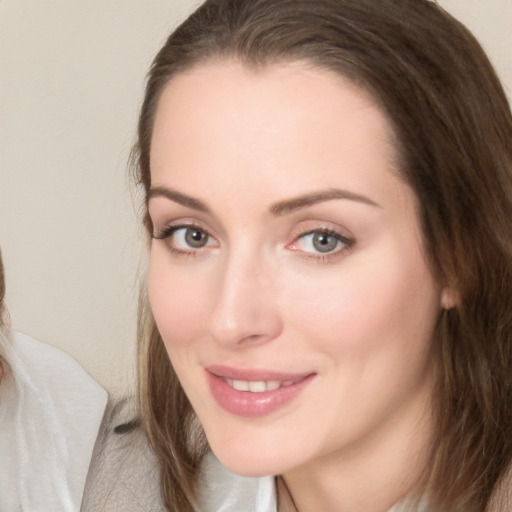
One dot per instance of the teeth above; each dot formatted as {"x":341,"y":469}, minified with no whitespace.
{"x":258,"y":386}
{"x":273,"y":384}
{"x":241,"y":385}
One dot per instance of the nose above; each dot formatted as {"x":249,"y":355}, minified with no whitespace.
{"x":245,"y":309}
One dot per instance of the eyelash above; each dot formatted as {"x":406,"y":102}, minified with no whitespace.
{"x":347,"y":243}
{"x":169,"y":231}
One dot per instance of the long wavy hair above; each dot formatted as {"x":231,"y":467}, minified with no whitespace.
{"x":454,"y":137}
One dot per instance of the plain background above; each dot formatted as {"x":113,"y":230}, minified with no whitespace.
{"x":71,"y":81}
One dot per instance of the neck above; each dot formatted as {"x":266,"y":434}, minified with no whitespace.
{"x":285,"y":501}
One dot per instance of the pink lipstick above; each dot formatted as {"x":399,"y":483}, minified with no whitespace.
{"x":254,"y":393}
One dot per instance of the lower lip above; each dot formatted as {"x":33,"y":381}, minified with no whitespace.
{"x":254,"y":405}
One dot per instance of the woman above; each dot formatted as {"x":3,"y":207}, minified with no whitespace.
{"x":50,"y":413}
{"x":329,"y":200}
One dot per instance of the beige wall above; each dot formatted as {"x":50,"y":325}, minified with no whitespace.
{"x":71,"y":80}
{"x":72,"y":75}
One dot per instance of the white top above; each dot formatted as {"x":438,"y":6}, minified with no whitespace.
{"x":50,"y":413}
{"x":224,"y":491}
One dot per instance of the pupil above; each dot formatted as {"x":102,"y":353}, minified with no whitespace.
{"x":195,"y":238}
{"x":324,"y":243}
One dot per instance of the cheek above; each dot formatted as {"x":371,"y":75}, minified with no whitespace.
{"x":374,"y":330}
{"x":176,"y":301}
{"x":370,"y":307}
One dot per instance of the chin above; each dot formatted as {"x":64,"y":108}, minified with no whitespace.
{"x":255,"y":448}
{"x":253,"y":461}
{"x":247,"y":468}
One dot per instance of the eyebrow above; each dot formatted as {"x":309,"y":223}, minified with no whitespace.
{"x":277,"y":209}
{"x":297,"y":203}
{"x":178,"y":197}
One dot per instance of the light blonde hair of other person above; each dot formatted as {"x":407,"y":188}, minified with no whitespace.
{"x":4,"y":365}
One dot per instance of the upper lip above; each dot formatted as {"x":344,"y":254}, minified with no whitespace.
{"x":254,"y":374}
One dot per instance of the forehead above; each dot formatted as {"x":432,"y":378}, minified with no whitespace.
{"x":298,"y":124}
{"x":228,"y":85}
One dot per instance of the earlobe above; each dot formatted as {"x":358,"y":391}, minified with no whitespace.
{"x":449,"y":298}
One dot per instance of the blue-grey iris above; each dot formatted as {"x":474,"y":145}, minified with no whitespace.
{"x":196,"y":238}
{"x":323,"y":242}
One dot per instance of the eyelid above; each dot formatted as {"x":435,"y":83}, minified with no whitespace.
{"x":312,"y":226}
{"x":183,"y":222}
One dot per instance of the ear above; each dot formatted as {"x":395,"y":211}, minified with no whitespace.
{"x":449,"y":297}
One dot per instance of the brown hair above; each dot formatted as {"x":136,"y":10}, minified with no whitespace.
{"x":454,"y":130}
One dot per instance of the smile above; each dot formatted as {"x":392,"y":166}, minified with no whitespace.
{"x":254,"y":393}
{"x":258,"y":386}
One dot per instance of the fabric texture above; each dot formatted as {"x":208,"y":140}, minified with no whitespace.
{"x":50,"y":414}
{"x":224,"y":491}
{"x":123,"y":475}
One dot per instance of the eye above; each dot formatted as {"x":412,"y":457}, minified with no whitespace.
{"x":191,"y":237}
{"x":321,"y":242}
{"x":185,"y":239}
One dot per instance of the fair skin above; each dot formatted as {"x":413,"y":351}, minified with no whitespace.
{"x":249,"y":284}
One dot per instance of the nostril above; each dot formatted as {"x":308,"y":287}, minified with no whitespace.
{"x":253,"y":339}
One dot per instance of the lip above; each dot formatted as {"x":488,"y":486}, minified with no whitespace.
{"x":253,"y":405}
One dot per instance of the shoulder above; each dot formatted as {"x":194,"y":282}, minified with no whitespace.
{"x":52,"y":387}
{"x":124,"y":474}
{"x":50,"y":413}
{"x":220,"y":489}
{"x":39,"y":364}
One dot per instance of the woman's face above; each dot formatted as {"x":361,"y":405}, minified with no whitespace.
{"x":287,"y":275}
